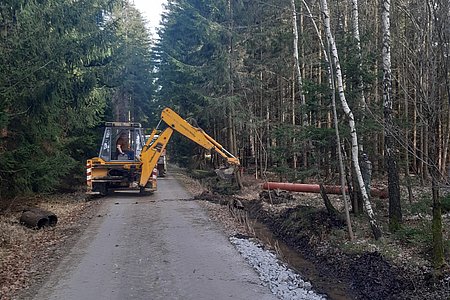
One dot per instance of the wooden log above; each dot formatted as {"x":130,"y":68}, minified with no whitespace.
{"x":52,"y":218}
{"x":33,"y":220}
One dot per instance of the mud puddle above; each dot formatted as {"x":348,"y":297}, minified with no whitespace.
{"x":333,"y":288}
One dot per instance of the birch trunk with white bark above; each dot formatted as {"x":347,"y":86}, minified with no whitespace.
{"x":331,"y":85}
{"x":296,"y":58}
{"x":354,"y":137}
{"x":356,"y":36}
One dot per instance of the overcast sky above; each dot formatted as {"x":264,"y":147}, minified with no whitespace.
{"x":151,"y":10}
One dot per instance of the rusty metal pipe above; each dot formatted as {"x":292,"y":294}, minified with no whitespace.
{"x":315,"y":188}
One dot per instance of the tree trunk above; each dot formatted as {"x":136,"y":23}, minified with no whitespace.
{"x":342,"y":172}
{"x":231,"y":126}
{"x":297,"y":63}
{"x":433,"y":113}
{"x":438,"y":241}
{"x":356,"y":36}
{"x":395,"y":212}
{"x":354,"y":137}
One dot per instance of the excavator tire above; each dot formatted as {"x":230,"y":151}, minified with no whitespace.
{"x":142,"y":191}
{"x":100,"y":187}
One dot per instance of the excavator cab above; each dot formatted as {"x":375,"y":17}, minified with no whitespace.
{"x":118,"y":165}
{"x":122,"y":141}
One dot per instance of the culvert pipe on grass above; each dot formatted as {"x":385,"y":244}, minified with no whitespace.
{"x":32,"y":220}
{"x":35,"y":217}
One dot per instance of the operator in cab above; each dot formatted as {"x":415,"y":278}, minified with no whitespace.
{"x":123,"y":146}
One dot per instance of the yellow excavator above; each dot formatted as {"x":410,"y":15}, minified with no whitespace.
{"x":129,"y":161}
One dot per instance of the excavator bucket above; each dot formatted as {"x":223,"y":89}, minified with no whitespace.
{"x":226,"y":173}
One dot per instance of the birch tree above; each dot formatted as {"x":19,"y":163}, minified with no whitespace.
{"x":395,"y":212}
{"x":356,"y":36}
{"x":354,"y":137}
{"x":297,"y":61}
{"x":332,"y":87}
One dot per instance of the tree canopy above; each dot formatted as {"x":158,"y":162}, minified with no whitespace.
{"x":62,"y":65}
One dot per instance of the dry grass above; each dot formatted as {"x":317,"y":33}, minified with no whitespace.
{"x":25,"y":253}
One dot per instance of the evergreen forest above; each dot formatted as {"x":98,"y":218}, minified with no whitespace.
{"x":270,"y":80}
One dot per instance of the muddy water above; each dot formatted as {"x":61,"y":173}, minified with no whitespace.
{"x":333,"y":288}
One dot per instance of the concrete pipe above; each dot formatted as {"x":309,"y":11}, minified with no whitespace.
{"x":32,"y":220}
{"x":39,"y":212}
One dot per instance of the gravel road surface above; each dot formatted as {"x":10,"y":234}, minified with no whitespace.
{"x":161,"y":246}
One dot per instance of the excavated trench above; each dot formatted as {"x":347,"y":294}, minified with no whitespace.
{"x":332,"y":287}
{"x":351,"y":276}
{"x":299,"y":234}
{"x":322,"y":282}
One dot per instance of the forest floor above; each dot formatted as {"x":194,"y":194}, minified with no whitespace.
{"x":394,"y":267}
{"x":398,"y":266}
{"x":28,"y":256}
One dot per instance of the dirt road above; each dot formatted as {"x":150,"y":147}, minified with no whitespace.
{"x":155,"y":247}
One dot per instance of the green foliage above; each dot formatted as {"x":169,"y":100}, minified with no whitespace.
{"x":56,"y":81}
{"x":192,"y":60}
{"x":129,"y":73}
{"x":419,"y":235}
{"x":422,"y":206}
{"x":193,"y":67}
{"x":445,"y":204}
{"x":41,"y":173}
{"x":319,"y":136}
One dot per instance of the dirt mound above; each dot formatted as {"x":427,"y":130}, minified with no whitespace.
{"x":295,"y":224}
{"x":303,"y":223}
{"x":374,"y":278}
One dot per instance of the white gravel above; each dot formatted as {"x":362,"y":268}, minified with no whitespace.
{"x":282,"y":281}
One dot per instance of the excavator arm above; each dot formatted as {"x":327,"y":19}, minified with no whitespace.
{"x":154,"y":147}
{"x":196,"y":135}
{"x":151,"y":153}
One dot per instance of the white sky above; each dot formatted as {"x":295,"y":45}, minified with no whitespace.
{"x":151,"y":10}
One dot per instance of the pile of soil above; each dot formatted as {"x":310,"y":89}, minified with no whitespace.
{"x":306,"y":229}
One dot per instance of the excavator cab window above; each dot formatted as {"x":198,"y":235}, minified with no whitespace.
{"x":122,"y":143}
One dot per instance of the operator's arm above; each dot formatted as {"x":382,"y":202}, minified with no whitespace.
{"x":119,"y":147}
{"x":152,"y":151}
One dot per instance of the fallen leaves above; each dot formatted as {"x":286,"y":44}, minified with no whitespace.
{"x":25,"y":254}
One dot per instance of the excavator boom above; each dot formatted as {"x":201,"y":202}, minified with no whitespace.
{"x":155,"y":147}
{"x":196,"y":134}
{"x":151,"y":153}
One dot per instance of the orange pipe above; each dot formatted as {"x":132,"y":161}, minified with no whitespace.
{"x":315,"y":188}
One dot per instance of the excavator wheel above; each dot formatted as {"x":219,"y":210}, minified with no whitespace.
{"x":102,"y":188}
{"x":142,"y":191}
